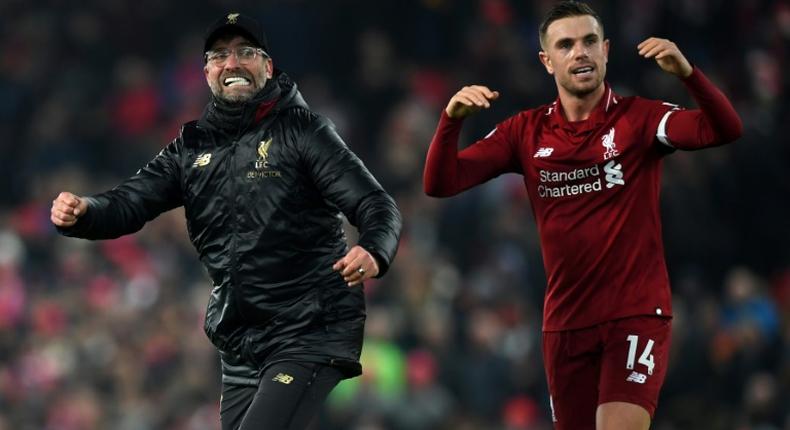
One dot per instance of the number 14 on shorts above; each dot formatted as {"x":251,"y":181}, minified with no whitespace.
{"x":645,"y":358}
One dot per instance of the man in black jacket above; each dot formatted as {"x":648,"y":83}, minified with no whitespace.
{"x":263,"y":181}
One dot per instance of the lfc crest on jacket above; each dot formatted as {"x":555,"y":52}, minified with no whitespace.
{"x":263,"y":154}
{"x":262,"y":162}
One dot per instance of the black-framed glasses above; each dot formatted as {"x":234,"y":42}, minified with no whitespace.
{"x":244,"y":55}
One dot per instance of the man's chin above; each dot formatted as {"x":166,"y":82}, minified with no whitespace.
{"x":236,"y":97}
{"x":584,"y":89}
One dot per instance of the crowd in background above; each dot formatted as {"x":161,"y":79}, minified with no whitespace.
{"x":108,"y":335}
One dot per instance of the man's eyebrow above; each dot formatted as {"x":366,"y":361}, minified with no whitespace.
{"x":587,"y":36}
{"x":563,"y":41}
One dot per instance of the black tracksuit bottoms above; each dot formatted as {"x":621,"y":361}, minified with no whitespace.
{"x":288,"y":396}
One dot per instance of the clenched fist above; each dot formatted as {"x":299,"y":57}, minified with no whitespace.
{"x":66,"y":208}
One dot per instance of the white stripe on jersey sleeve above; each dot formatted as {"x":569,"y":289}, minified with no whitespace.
{"x":490,"y":133}
{"x":661,"y":133}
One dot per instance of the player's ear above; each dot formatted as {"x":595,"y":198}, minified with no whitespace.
{"x":606,"y":50}
{"x":269,"y":67}
{"x":205,"y":71}
{"x":544,"y":58}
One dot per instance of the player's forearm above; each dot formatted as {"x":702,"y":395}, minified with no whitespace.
{"x":719,"y":113}
{"x":715,"y":123}
{"x":440,"y":178}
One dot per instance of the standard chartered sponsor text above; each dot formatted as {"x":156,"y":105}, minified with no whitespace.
{"x":569,"y":190}
{"x":572,"y":175}
{"x":546,"y":176}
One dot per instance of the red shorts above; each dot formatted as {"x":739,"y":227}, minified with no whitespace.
{"x":616,"y":361}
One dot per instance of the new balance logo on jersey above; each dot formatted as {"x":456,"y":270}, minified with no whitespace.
{"x":609,"y":146}
{"x":614,"y":173}
{"x":543,"y":152}
{"x":637,"y":377}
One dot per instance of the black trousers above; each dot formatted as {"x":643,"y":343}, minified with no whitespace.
{"x":288,"y":396}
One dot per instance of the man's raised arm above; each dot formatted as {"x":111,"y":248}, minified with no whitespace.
{"x":447,"y":171}
{"x":715,"y":122}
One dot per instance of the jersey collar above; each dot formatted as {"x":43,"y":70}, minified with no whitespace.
{"x":597,"y":117}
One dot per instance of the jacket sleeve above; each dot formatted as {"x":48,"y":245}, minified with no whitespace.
{"x":154,"y":189}
{"x":343,"y":180}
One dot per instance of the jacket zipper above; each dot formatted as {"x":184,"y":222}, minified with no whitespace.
{"x":234,"y":263}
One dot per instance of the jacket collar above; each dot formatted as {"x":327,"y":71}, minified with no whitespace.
{"x":233,"y":118}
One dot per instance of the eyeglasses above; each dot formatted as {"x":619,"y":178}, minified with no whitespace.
{"x":244,"y":55}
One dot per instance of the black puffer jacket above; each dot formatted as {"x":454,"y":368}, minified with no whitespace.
{"x":263,"y":187}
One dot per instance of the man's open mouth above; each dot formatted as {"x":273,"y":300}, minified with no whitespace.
{"x":234,"y":81}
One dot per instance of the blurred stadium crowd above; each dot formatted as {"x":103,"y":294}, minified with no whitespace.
{"x":108,"y":335}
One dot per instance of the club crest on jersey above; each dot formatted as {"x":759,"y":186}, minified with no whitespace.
{"x":610,"y":148}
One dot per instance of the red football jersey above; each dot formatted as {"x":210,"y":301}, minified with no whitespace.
{"x":594,"y":188}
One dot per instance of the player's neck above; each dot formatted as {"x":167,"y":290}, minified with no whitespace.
{"x":579,"y":107}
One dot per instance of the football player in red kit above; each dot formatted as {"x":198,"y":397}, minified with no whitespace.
{"x":591,"y":162}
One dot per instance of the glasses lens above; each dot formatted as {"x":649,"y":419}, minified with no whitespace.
{"x":246,"y":54}
{"x":218,"y":57}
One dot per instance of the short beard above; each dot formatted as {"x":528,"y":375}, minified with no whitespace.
{"x":234,"y":99}
{"x":582,"y":92}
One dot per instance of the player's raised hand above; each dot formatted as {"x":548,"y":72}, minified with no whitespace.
{"x":667,"y":55}
{"x":469,"y":100}
{"x":357,"y":266}
{"x":66,"y":208}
